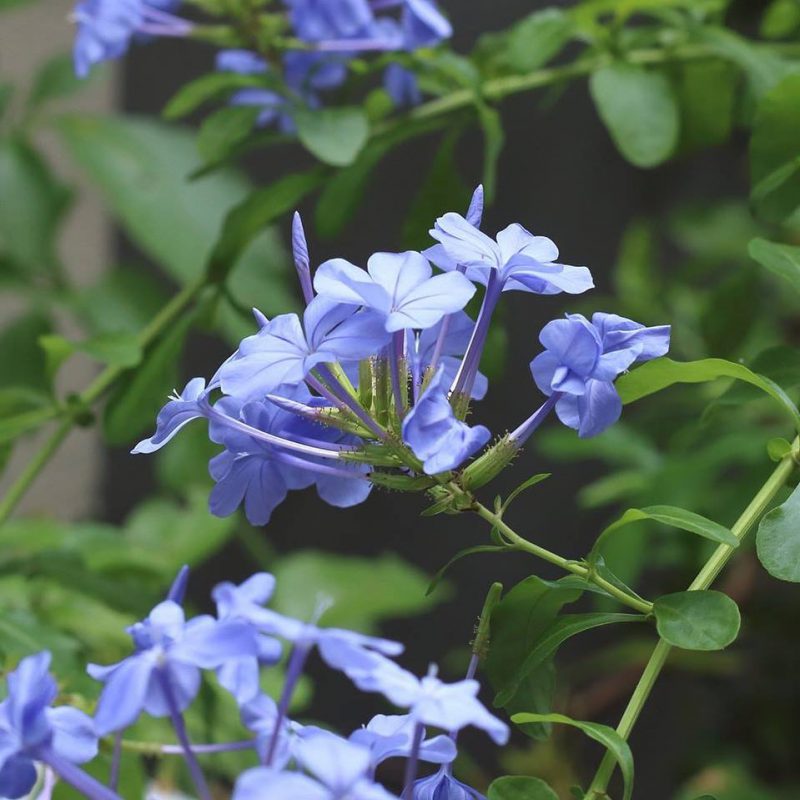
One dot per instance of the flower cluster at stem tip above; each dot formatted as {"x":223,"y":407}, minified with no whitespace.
{"x":294,"y":761}
{"x":373,"y":383}
{"x":327,"y":34}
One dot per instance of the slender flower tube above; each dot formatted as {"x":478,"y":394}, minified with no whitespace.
{"x":198,"y":779}
{"x":412,"y":765}
{"x":523,"y":432}
{"x":296,"y":663}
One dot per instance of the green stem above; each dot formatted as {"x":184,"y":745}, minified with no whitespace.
{"x":104,"y":381}
{"x":582,"y":571}
{"x":704,"y":579}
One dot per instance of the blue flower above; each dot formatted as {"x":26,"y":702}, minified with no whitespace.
{"x":30,"y":730}
{"x":436,"y":435}
{"x":179,"y":411}
{"x":398,"y":286}
{"x":457,"y":333}
{"x":259,"y":474}
{"x":516,"y":261}
{"x":443,"y":786}
{"x":402,"y":86}
{"x":106,"y":28}
{"x":423,"y":24}
{"x":392,"y":736}
{"x":283,"y":352}
{"x":169,"y":654}
{"x":337,"y":770}
{"x":240,"y":675}
{"x":581,"y":361}
{"x":449,"y":706}
{"x":313,"y":20}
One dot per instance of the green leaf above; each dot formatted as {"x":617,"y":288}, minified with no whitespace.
{"x":664,"y":372}
{"x":134,"y":403}
{"x":535,"y":39}
{"x":606,"y":736}
{"x":142,"y":167}
{"x":764,"y":69}
{"x":563,"y":628}
{"x":258,"y":210}
{"x":204,"y":89}
{"x":517,"y":623}
{"x":675,"y":518}
{"x":442,"y":190}
{"x":394,"y":588}
{"x":781,"y":19}
{"x":511,"y":787}
{"x":781,"y":364}
{"x":639,"y":108}
{"x":775,"y":151}
{"x":707,"y":97}
{"x":124,"y":300}
{"x":56,"y":351}
{"x":21,"y":410}
{"x":782,"y":259}
{"x":32,"y":204}
{"x":778,"y":540}
{"x":22,"y":359}
{"x":22,"y":634}
{"x":334,"y":135}
{"x":704,"y":620}
{"x":467,"y":551}
{"x":778,"y":448}
{"x":55,"y":79}
{"x":225,"y":129}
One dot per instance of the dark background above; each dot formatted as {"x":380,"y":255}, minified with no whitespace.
{"x":560,"y":176}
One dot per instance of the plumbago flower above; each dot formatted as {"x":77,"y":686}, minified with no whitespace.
{"x":329,"y":32}
{"x":106,"y":28}
{"x":296,"y":761}
{"x":373,"y":384}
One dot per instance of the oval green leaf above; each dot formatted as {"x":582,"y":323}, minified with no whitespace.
{"x":608,"y":737}
{"x":639,"y":108}
{"x":706,"y":620}
{"x":778,"y":540}
{"x":514,"y":787}
{"x":334,"y":135}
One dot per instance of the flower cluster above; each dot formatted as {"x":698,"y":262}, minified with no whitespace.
{"x":162,"y":677}
{"x":318,"y":38}
{"x":372,"y":385}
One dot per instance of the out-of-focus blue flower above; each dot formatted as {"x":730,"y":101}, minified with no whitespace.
{"x":30,"y":730}
{"x":169,"y":654}
{"x":423,"y":24}
{"x":240,"y":676}
{"x":398,"y":286}
{"x":261,"y":716}
{"x":337,"y":771}
{"x":106,"y":28}
{"x":443,"y":786}
{"x":582,"y":359}
{"x":283,"y":352}
{"x":314,"y":20}
{"x":517,"y":260}
{"x":449,"y":706}
{"x":454,"y":344}
{"x":436,"y":435}
{"x":402,"y":86}
{"x":393,"y":736}
{"x":179,"y":411}
{"x":245,"y":62}
{"x":259,"y":474}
